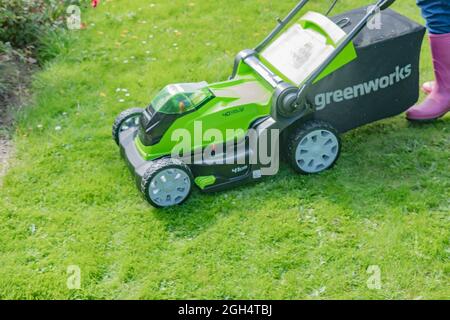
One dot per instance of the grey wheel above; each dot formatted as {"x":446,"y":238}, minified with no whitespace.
{"x":167,"y":182}
{"x":126,"y":120}
{"x":314,"y":148}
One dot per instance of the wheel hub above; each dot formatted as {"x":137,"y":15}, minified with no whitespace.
{"x":130,"y":123}
{"x":169,"y":187}
{"x":317,"y":151}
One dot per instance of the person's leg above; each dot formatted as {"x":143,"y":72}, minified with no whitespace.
{"x":437,"y":14}
{"x":437,"y":23}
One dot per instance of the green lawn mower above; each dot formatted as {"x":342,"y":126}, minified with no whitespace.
{"x":309,"y":81}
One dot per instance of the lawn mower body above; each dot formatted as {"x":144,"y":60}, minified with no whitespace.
{"x":336,"y":72}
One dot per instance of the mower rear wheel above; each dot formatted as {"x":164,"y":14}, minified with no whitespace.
{"x":167,"y":182}
{"x":314,"y":147}
{"x":126,"y":120}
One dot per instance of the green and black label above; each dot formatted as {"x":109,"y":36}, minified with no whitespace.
{"x":233,"y":112}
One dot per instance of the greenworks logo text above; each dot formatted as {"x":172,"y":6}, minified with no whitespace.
{"x":362,"y":89}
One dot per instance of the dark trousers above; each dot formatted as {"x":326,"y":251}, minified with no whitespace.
{"x":437,"y":15}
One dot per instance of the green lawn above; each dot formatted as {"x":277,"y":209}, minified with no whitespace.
{"x":68,"y":198}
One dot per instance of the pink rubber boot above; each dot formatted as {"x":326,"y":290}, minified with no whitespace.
{"x":438,"y":102}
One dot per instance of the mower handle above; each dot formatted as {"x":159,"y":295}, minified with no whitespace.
{"x":380,"y":5}
{"x":387,"y":4}
{"x":281,"y":24}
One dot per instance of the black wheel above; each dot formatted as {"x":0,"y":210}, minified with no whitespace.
{"x":167,"y":182}
{"x":126,"y":120}
{"x":314,"y":147}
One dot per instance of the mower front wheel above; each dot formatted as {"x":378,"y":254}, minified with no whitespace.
{"x":167,"y":182}
{"x":126,"y":120}
{"x":314,"y":147}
